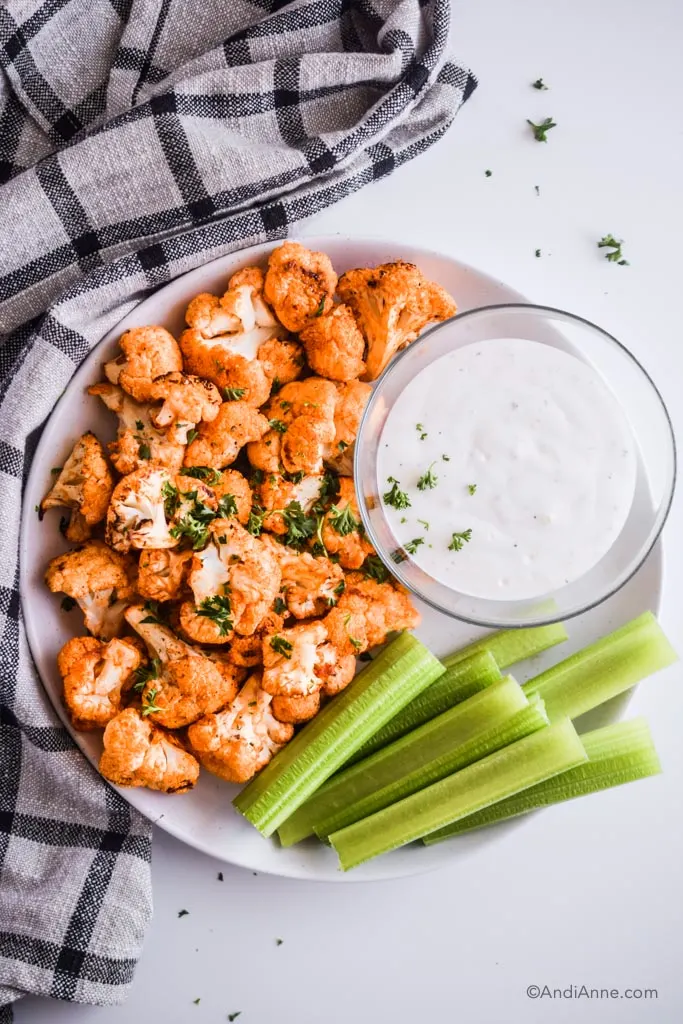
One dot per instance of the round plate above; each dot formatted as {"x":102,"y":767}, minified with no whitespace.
{"x":205,"y":818}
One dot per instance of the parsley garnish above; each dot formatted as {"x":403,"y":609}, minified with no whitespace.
{"x":537,"y":253}
{"x":321,"y":308}
{"x":139,"y":425}
{"x":144,"y":451}
{"x":412,"y":545}
{"x":342,"y":520}
{"x":171,"y":496}
{"x":329,"y":489}
{"x":488,"y":173}
{"x":68,"y":603}
{"x":423,"y":523}
{"x":196,"y":1001}
{"x":540,"y":130}
{"x":255,"y":520}
{"x":183,"y":913}
{"x":421,"y":431}
{"x":458,"y":539}
{"x":145,"y":673}
{"x":233,"y":394}
{"x":235,"y":1015}
{"x":285,"y":405}
{"x":148,"y":708}
{"x":357,"y":644}
{"x":279,"y":606}
{"x":194,"y":524}
{"x":341,"y":445}
{"x":281,"y":646}
{"x":539,"y":84}
{"x":428,"y":479}
{"x":227,"y":506}
{"x":154,"y":615}
{"x":616,"y":256}
{"x":277,"y":425}
{"x":278,"y":942}
{"x":446,"y":458}
{"x":537,"y":190}
{"x":206,"y":473}
{"x":56,"y":469}
{"x":396,"y":497}
{"x":472,"y":488}
{"x":257,"y":477}
{"x":218,"y":609}
{"x":300,"y":526}
{"x":293,"y":478}
{"x":374,"y":569}
{"x":191,"y":434}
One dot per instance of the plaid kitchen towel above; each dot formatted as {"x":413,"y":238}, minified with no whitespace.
{"x":138,"y":139}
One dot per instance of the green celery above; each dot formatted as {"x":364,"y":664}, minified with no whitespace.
{"x":397,"y":675}
{"x":438,"y":748}
{"x":525,"y":763}
{"x":617,"y":753}
{"x":463,"y":680}
{"x":606,"y":668}
{"x":511,"y":645}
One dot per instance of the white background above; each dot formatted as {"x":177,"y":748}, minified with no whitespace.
{"x":590,"y":892}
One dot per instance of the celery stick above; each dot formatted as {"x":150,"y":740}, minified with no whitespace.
{"x":516,"y":767}
{"x":511,"y":645}
{"x":606,"y":668}
{"x":425,"y":755}
{"x":392,"y":680}
{"x":463,"y":680}
{"x":618,"y":753}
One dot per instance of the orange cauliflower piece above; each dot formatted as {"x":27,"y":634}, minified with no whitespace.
{"x":239,"y":741}
{"x":83,"y":484}
{"x":342,"y":531}
{"x":368,"y":611}
{"x":187,"y":401}
{"x":310,"y":585}
{"x":247,"y":651}
{"x":162,"y":573}
{"x":335,"y":669}
{"x":138,"y":442}
{"x":277,"y":493}
{"x":137,"y":514}
{"x":236,"y":372}
{"x":99,"y":580}
{"x":148,"y":353}
{"x":296,"y":709}
{"x":94,"y":675}
{"x":299,"y":284}
{"x":231,"y":482}
{"x":282,"y":360}
{"x":218,"y":444}
{"x":334,"y":345}
{"x":392,"y":303}
{"x":291,"y":658}
{"x":206,"y":315}
{"x":138,"y":753}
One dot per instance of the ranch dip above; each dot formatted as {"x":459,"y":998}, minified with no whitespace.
{"x":518,"y":464}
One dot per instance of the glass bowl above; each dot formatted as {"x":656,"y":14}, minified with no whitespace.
{"x":640,"y":401}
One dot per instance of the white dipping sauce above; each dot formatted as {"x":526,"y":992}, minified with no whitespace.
{"x":546,"y":445}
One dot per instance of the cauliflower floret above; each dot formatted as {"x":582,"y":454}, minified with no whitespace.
{"x":99,"y":580}
{"x":301,"y":417}
{"x":392,"y":303}
{"x":218,"y":444}
{"x":138,"y":753}
{"x":334,"y":345}
{"x":299,"y":284}
{"x":84,"y":484}
{"x":296,"y":709}
{"x":247,"y":651}
{"x":148,"y":353}
{"x":310,"y":585}
{"x":305,"y":444}
{"x":367,"y":612}
{"x":187,"y":401}
{"x":235,"y":372}
{"x":345,"y":626}
{"x":282,"y":360}
{"x":234,"y":581}
{"x":276,"y":493}
{"x":138,"y":442}
{"x":162,"y":573}
{"x":352,"y":397}
{"x":335,"y":669}
{"x":312,"y":397}
{"x":240,"y":740}
{"x":206,"y":315}
{"x":291,"y":659}
{"x":137,"y":514}
{"x":264,"y":455}
{"x":342,"y":531}
{"x":94,"y":675}
{"x":187,"y":683}
{"x":231,"y":483}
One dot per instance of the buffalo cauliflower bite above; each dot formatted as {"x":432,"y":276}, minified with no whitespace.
{"x":392,"y":303}
{"x":367,"y":612}
{"x":345,"y":626}
{"x":312,"y":397}
{"x":231,"y":483}
{"x":352,"y":397}
{"x":84,"y":484}
{"x":296,"y":709}
{"x":162,"y":573}
{"x":138,"y":753}
{"x":301,"y":417}
{"x":99,"y":580}
{"x":138,"y":442}
{"x":94,"y":675}
{"x":247,"y":651}
{"x":148,"y":353}
{"x":310,"y":585}
{"x":239,"y":741}
{"x":290,"y":660}
{"x":187,"y":401}
{"x":276,"y":493}
{"x":335,"y":669}
{"x":305,"y":444}
{"x":282,"y":360}
{"x":218,"y":444}
{"x":299,"y":284}
{"x":206,"y":315}
{"x":137,"y":514}
{"x":235,"y":372}
{"x":187,"y":683}
{"x":342,"y":531}
{"x":334,"y":345}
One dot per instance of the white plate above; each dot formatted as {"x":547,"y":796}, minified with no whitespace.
{"x":205,"y":818}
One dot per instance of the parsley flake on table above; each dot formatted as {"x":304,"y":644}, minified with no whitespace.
{"x":472,"y":488}
{"x":281,"y":646}
{"x":412,"y":545}
{"x":537,"y":189}
{"x":196,"y":1001}
{"x":458,"y":539}
{"x":421,"y":431}
{"x":537,"y":253}
{"x":236,"y":1014}
{"x":446,"y":458}
{"x":217,"y":608}
{"x":428,"y":479}
{"x":539,"y":84}
{"x":395,"y":497}
{"x":616,"y":255}
{"x":540,"y":130}
{"x":488,"y":173}
{"x":278,"y":942}
{"x":423,"y":523}
{"x":183,"y":913}
{"x":342,"y":520}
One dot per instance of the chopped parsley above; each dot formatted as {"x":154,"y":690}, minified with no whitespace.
{"x":183,"y":913}
{"x":171,"y":496}
{"x":446,"y":458}
{"x":616,"y":255}
{"x":458,"y":539}
{"x":412,"y":545}
{"x":321,"y":308}
{"x":281,"y":646}
{"x":278,"y":942}
{"x":145,"y":673}
{"x":329,"y":489}
{"x":148,"y":708}
{"x":428,"y":479}
{"x":285,"y":405}
{"x":68,"y":603}
{"x":139,"y":425}
{"x":154,"y":615}
{"x":341,"y":445}
{"x":472,"y":488}
{"x":206,"y":473}
{"x":257,"y":477}
{"x":144,"y":451}
{"x":342,"y":520}
{"x":423,"y":523}
{"x":539,"y":84}
{"x":293,"y":478}
{"x":255,"y":520}
{"x":541,"y":129}
{"x":421,"y":431}
{"x":191,"y":434}
{"x":56,"y":469}
{"x":196,"y":1001}
{"x":488,"y":173}
{"x":374,"y":569}
{"x":233,"y":394}
{"x":355,"y":642}
{"x":396,"y":497}
{"x":537,"y":253}
{"x":277,"y":425}
{"x":235,"y":1015}
{"x":279,"y":606}
{"x":300,"y":526}
{"x":217,"y":608}
{"x":537,"y":189}
{"x":227,"y":506}
{"x":220,"y":876}
{"x":194,"y":524}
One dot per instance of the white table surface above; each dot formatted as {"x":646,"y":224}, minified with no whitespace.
{"x":588,"y":893}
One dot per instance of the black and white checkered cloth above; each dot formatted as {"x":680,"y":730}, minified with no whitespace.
{"x":138,"y":139}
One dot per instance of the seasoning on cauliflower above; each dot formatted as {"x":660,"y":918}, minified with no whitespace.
{"x":99,"y":580}
{"x":342,"y":530}
{"x":187,"y":401}
{"x":239,"y":741}
{"x":218,"y":444}
{"x":138,"y":442}
{"x":94,"y":675}
{"x":138,"y":753}
{"x":280,"y":498}
{"x":392,"y":303}
{"x":291,"y":658}
{"x":231,"y":484}
{"x":84,"y":484}
{"x":148,"y":353}
{"x":310,"y":585}
{"x":352,"y":397}
{"x":282,"y":360}
{"x":301,"y":419}
{"x":299,"y":284}
{"x":367,"y":612}
{"x":206,"y":315}
{"x":186,"y":683}
{"x":296,"y":709}
{"x":137,"y":514}
{"x":247,"y":651}
{"x":334,"y":345}
{"x":162,"y":573}
{"x":335,"y":669}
